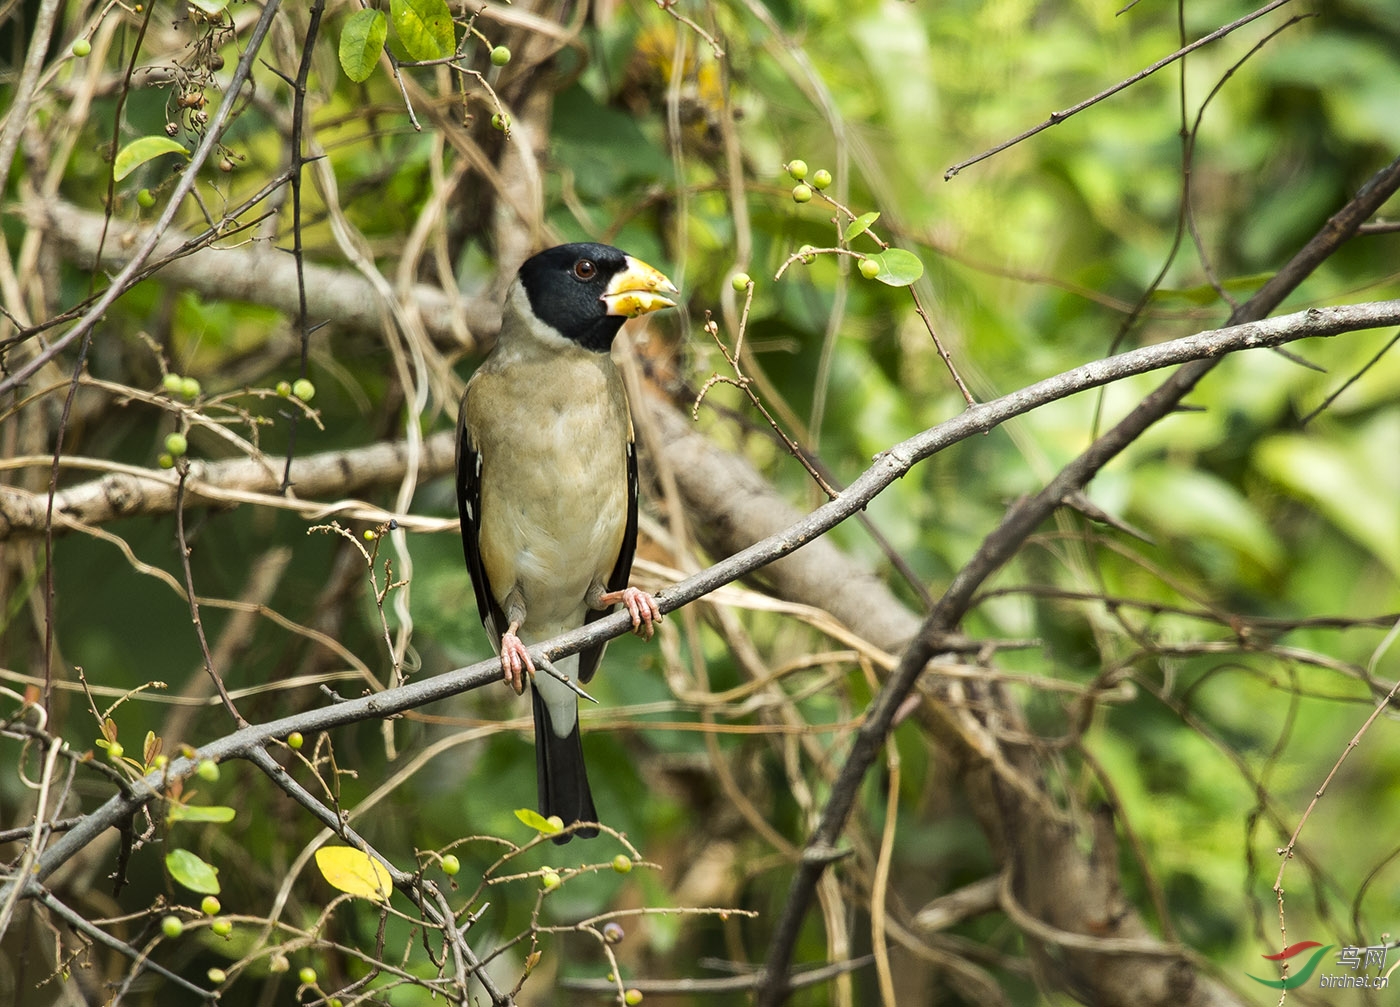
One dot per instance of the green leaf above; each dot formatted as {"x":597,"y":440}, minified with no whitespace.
{"x":361,"y":43}
{"x":537,"y":821}
{"x":354,"y":872}
{"x":861,"y":224}
{"x":139,"y":151}
{"x":192,"y":872}
{"x":898,"y":268}
{"x":424,"y":27}
{"x":216,"y":813}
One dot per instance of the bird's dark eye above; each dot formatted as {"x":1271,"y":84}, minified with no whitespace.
{"x":584,"y":269}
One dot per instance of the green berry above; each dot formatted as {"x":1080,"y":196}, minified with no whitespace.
{"x":801,"y":193}
{"x":145,"y":200}
{"x":632,"y":997}
{"x":208,"y":770}
{"x":869,"y":268}
{"x":500,"y":56}
{"x":550,"y":880}
{"x":222,"y":927}
{"x":81,"y":47}
{"x":807,"y":254}
{"x":166,"y":461}
{"x":210,"y":906}
{"x":161,"y":761}
{"x":303,"y":389}
{"x":556,"y":821}
{"x":451,"y":865}
{"x":821,"y":178}
{"x":173,"y":383}
{"x":176,"y":444}
{"x":622,"y":863}
{"x":284,"y":388}
{"x":500,"y":121}
{"x":741,"y":282}
{"x":797,"y":168}
{"x":307,"y":975}
{"x":335,"y":1002}
{"x":115,"y":751}
{"x":189,"y":388}
{"x":295,"y":740}
{"x":217,"y":976}
{"x":371,"y":534}
{"x":172,"y":926}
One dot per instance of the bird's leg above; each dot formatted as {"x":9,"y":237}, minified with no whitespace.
{"x":640,"y":605}
{"x":515,"y":659}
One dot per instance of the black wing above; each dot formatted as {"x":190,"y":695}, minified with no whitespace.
{"x":469,"y":510}
{"x":591,"y":657}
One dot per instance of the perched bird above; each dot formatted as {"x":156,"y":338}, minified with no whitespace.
{"x":547,"y":487}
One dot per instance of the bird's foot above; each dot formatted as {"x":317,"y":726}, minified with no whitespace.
{"x":640,"y":605}
{"x":515,"y":661}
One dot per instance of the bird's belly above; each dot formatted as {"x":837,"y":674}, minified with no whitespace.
{"x":554,"y":525}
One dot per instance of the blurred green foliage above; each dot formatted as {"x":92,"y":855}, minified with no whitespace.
{"x":1034,"y":261}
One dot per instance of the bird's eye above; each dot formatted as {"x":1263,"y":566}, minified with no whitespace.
{"x":584,"y":269}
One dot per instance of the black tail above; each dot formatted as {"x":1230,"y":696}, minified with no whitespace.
{"x":560,"y":774}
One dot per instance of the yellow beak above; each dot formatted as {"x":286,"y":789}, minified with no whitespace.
{"x":639,"y":289}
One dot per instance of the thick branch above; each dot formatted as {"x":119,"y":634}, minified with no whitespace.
{"x":258,"y":273}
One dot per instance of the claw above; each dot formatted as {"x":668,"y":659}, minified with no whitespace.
{"x":640,"y":605}
{"x":515,"y":660}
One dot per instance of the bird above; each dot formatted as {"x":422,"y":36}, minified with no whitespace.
{"x":547,"y":489}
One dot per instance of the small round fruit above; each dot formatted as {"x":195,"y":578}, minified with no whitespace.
{"x":869,"y":268}
{"x":556,"y":821}
{"x":81,"y":47}
{"x":307,"y":975}
{"x":189,"y":388}
{"x":176,"y":444}
{"x":801,"y":193}
{"x":613,"y":932}
{"x":821,"y":178}
{"x":173,"y":383}
{"x":226,"y":164}
{"x":145,"y":200}
{"x":303,"y":389}
{"x":807,"y":254}
{"x":451,"y":865}
{"x":632,"y":997}
{"x":208,"y":770}
{"x":166,"y":461}
{"x":500,"y":56}
{"x":284,"y":389}
{"x":797,"y":168}
{"x":622,"y":863}
{"x":278,"y":963}
{"x":550,"y":880}
{"x":161,"y":761}
{"x":741,"y":282}
{"x":209,"y":906}
{"x":115,"y":751}
{"x":222,"y":927}
{"x":217,"y":976}
{"x":371,"y":534}
{"x":295,"y":740}
{"x":500,"y":121}
{"x":172,"y":926}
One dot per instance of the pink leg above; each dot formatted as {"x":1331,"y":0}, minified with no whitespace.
{"x":642,"y":607}
{"x":515,"y":659}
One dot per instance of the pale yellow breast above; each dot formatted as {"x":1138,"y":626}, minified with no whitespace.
{"x":553,"y":433}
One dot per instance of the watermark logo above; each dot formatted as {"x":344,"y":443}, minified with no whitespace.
{"x":1358,"y":960}
{"x":1303,"y":974}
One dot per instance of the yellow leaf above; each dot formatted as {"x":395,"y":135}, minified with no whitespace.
{"x":354,"y":872}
